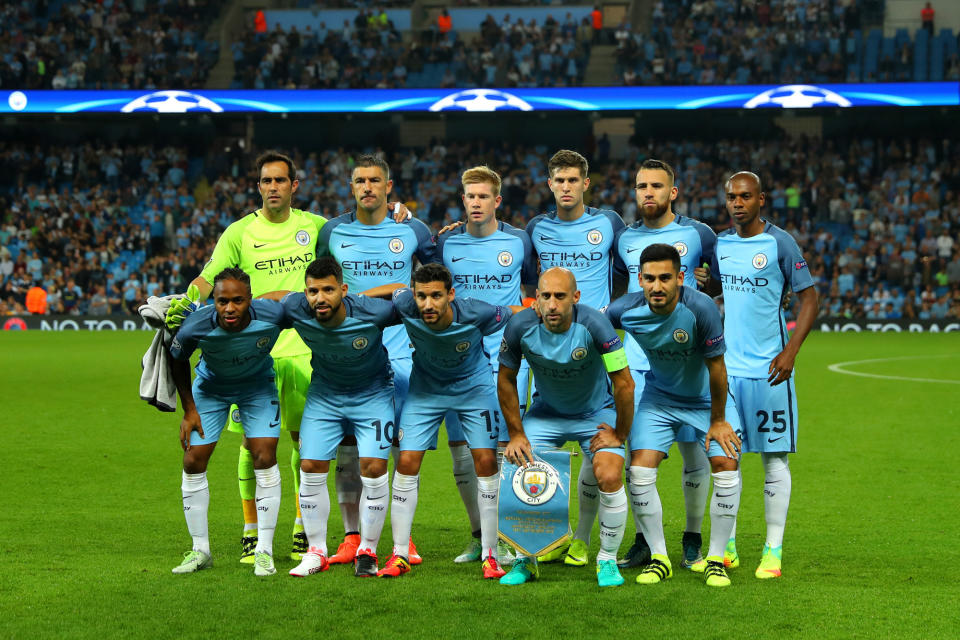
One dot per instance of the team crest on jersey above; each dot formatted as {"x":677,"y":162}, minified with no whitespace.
{"x":462,"y":346}
{"x":681,"y":336}
{"x":535,"y":483}
{"x":759,"y":261}
{"x":503,"y":345}
{"x":579,"y":353}
{"x":359,"y":343}
{"x":594,"y":236}
{"x":235,"y":415}
{"x":303,"y":238}
{"x":681,"y":248}
{"x":263,"y":343}
{"x":176,"y":344}
{"x":505,"y":258}
{"x":396,"y":245}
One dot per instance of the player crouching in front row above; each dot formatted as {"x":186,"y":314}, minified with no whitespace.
{"x":235,"y":335}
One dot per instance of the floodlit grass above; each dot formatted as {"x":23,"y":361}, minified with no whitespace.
{"x":92,"y":521}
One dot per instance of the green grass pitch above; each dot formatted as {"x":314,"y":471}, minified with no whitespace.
{"x":92,"y":523}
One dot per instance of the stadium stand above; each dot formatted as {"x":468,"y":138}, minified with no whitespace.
{"x":100,"y":228}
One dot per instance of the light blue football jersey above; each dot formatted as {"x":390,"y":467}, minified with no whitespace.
{"x":491,"y":268}
{"x":755,"y":272}
{"x":569,"y":368}
{"x":584,"y":246}
{"x":453,"y":360}
{"x":350,"y":356}
{"x":675,"y":345}
{"x":231,"y":358}
{"x":375,"y":255}
{"x":693,"y":240}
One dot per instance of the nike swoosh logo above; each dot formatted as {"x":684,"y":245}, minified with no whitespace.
{"x":312,"y":495}
{"x":259,"y":499}
{"x":605,"y":526}
{"x":262,"y":244}
{"x":378,"y":497}
{"x":344,"y":245}
{"x":726,"y":495}
{"x":457,"y":259}
{"x":688,"y":471}
{"x":543,"y":237}
{"x":634,"y":249}
{"x":724,"y":257}
{"x":639,"y":494}
{"x":774,"y":439}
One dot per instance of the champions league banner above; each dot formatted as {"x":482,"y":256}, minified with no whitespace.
{"x":534,"y":503}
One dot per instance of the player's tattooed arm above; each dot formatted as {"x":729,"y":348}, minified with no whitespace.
{"x":782,"y":366}
{"x":180,"y":370}
{"x":720,"y":430}
{"x":518,"y":450}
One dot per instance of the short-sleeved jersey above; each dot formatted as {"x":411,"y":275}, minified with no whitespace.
{"x":350,"y":356}
{"x":755,"y":272}
{"x":694,"y":241}
{"x":569,"y":368}
{"x":453,"y":360}
{"x":273,"y":255}
{"x":584,"y":246}
{"x":372,"y":255}
{"x":490,"y":268}
{"x":232,"y":358}
{"x":675,"y":345}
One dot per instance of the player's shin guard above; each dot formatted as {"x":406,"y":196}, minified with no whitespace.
{"x":487,"y":489}
{"x":776,"y":495}
{"x":466,"y":477}
{"x":588,"y":498}
{"x":696,"y":483}
{"x":196,"y":503}
{"x":723,"y":510}
{"x":315,"y":507}
{"x":295,"y":465}
{"x":248,"y":484}
{"x":348,"y":487}
{"x":613,"y":518}
{"x":402,"y":508}
{"x":373,"y":510}
{"x":268,"y":506}
{"x":645,"y":500}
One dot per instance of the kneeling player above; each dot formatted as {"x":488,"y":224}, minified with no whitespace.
{"x":451,"y":372}
{"x":572,"y":349}
{"x":235,"y":335}
{"x":679,"y":330}
{"x":351,"y":388}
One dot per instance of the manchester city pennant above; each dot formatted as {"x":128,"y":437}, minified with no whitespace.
{"x":533,"y":510}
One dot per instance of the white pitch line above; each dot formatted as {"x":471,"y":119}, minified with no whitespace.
{"x":837,"y":367}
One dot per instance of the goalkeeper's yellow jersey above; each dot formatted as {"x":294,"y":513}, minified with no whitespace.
{"x":275,"y":257}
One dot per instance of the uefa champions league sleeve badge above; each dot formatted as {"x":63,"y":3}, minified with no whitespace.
{"x":533,"y":511}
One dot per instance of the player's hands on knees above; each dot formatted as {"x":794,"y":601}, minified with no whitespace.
{"x":519,"y":451}
{"x":723,"y":434}
{"x":190,"y":422}
{"x":605,"y":438}
{"x":781,"y":368}
{"x":451,"y":227}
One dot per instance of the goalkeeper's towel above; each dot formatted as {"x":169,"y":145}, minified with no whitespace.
{"x":156,"y":381}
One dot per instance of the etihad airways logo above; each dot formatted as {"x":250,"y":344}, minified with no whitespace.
{"x":289,"y":263}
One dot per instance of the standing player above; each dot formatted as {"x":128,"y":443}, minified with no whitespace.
{"x":580,"y":239}
{"x":235,"y":335}
{"x":679,"y":329}
{"x":757,"y":262}
{"x":451,"y":372}
{"x":273,"y":245}
{"x":352,"y":386}
{"x":376,"y":256}
{"x":695,"y":242}
{"x":572,"y":349}
{"x":489,"y":260}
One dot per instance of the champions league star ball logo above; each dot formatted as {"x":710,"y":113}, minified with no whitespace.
{"x":681,"y":248}
{"x":797,"y":96}
{"x":759,"y":261}
{"x":535,"y":483}
{"x":505,"y":259}
{"x":171,"y":102}
{"x":481,"y":100}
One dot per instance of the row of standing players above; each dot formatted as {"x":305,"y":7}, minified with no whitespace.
{"x":752,"y":264}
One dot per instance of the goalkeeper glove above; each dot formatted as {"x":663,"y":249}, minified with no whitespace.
{"x":182,"y":307}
